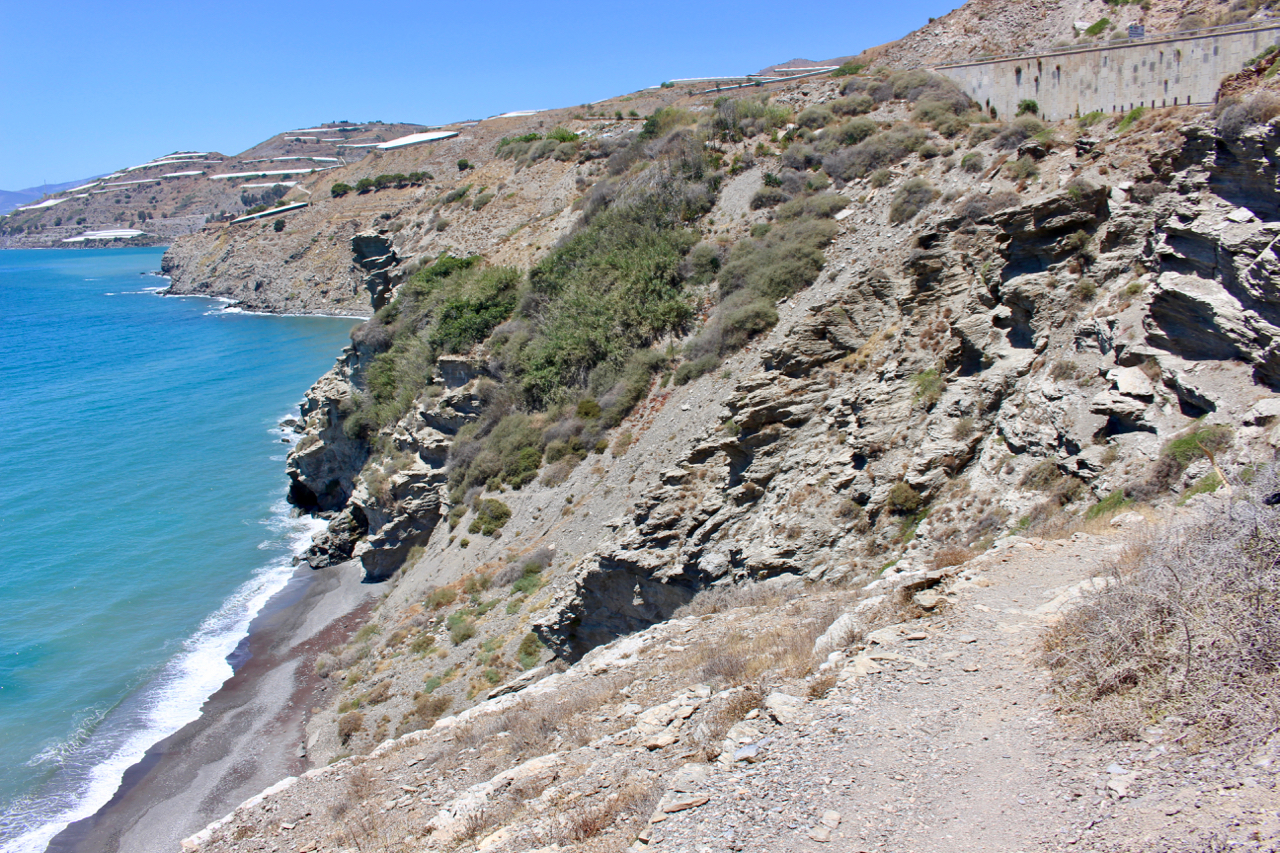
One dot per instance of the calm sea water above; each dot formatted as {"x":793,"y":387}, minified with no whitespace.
{"x":144,"y":521}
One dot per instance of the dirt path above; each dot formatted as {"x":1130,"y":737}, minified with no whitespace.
{"x":953,"y":745}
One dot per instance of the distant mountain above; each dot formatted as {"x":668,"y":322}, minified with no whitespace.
{"x":10,"y":199}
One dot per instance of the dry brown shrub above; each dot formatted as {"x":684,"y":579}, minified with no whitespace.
{"x":1188,"y":626}
{"x":349,"y":724}
{"x":538,"y":720}
{"x":821,"y":685}
{"x":951,"y":555}
{"x":718,"y":599}
{"x":585,"y":821}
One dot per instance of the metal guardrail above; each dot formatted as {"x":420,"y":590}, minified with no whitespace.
{"x":1150,"y":38}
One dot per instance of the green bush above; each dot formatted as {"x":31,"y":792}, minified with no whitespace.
{"x":877,"y":152}
{"x":768,"y":197}
{"x":691,"y":370}
{"x":736,"y":119}
{"x":780,"y":263}
{"x":911,"y":198}
{"x":422,"y":643}
{"x":491,"y":515}
{"x":1129,"y":118}
{"x":664,"y":120}
{"x":820,"y":206}
{"x":278,"y":225}
{"x":815,"y":117}
{"x":447,"y":307}
{"x":607,"y":290}
{"x":902,"y":499}
{"x":461,"y":627}
{"x":1027,"y":107}
{"x":1017,"y":132}
{"x":849,"y":69}
{"x":973,"y":162}
{"x":1022,"y":169}
{"x":481,"y":200}
{"x":854,"y":105}
{"x":530,"y":651}
{"x":1097,"y":27}
{"x":928,"y":386}
{"x":442,"y":597}
{"x":340,"y":189}
{"x":855,"y":130}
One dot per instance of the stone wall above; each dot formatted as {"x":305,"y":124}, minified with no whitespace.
{"x":1158,"y":71}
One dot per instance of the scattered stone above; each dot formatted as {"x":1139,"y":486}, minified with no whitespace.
{"x":684,"y":802}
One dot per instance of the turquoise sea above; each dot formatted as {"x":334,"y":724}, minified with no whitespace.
{"x":144,"y":521}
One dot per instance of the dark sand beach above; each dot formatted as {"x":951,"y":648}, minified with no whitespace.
{"x":250,"y":734}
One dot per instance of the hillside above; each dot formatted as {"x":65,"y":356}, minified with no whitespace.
{"x":769,"y":467}
{"x":176,"y":194}
{"x":993,"y":27}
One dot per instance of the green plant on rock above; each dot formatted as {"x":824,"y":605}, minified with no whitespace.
{"x":928,"y":386}
{"x":902,"y":499}
{"x":491,"y":515}
{"x":530,"y":651}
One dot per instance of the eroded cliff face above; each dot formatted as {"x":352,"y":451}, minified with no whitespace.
{"x":998,"y":364}
{"x":1045,"y":394}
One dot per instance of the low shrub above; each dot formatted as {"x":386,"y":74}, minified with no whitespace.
{"x":1022,"y":169}
{"x":349,"y":724}
{"x":491,"y":515}
{"x":786,"y":259}
{"x":1239,"y":115}
{"x":1179,"y":636}
{"x":530,"y":651}
{"x":1027,"y":107}
{"x":877,"y":152}
{"x":854,"y":131}
{"x":340,"y":189}
{"x":442,"y":597}
{"x":815,"y":117}
{"x":1129,"y":118}
{"x":911,"y":198}
{"x":973,"y":162}
{"x":691,"y":370}
{"x":461,"y":628}
{"x":928,"y":386}
{"x":1017,"y":132}
{"x":1097,"y":27}
{"x":768,"y":197}
{"x":854,"y":105}
{"x":902,"y":499}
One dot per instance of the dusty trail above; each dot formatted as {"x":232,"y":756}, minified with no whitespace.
{"x":954,"y":745}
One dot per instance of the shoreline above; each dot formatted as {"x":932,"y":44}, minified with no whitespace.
{"x":233,"y":306}
{"x":250,"y":734}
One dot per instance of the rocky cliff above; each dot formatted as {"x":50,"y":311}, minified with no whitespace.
{"x":1001,"y":330}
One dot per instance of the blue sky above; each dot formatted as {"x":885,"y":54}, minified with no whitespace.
{"x":91,"y":87}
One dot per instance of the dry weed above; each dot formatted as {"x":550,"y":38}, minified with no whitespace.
{"x":721,"y":598}
{"x":585,"y":821}
{"x":1188,"y":627}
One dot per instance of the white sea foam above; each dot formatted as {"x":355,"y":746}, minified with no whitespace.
{"x":92,"y":762}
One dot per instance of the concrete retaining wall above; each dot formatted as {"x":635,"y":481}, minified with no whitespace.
{"x":1158,"y":71}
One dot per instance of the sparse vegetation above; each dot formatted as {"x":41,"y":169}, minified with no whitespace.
{"x":1185,"y":629}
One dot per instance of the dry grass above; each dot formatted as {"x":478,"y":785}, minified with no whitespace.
{"x":951,"y":555}
{"x":536,"y":723}
{"x":781,"y":650}
{"x":733,"y":596}
{"x":587,"y":821}
{"x":1188,"y":628}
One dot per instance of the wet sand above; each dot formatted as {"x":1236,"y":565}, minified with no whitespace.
{"x":251,"y":733}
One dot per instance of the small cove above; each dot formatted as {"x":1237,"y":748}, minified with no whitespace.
{"x":145,"y":522}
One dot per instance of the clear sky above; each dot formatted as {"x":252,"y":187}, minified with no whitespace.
{"x":90,"y":87}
